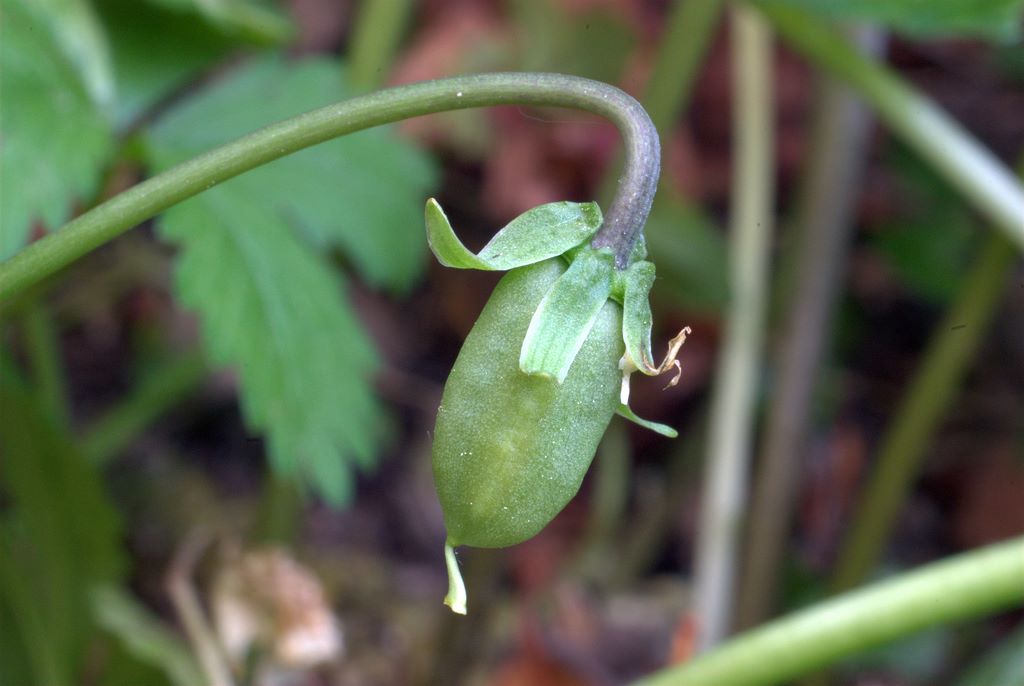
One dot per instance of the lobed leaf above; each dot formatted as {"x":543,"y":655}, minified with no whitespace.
{"x":253,"y":263}
{"x":275,"y":310}
{"x":54,"y":141}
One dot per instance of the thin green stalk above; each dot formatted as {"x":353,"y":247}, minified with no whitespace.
{"x":689,"y":29}
{"x":623,"y":221}
{"x":830,"y":184}
{"x":970,"y":585}
{"x":375,"y":37}
{"x":608,"y":500}
{"x":280,"y":510}
{"x":937,"y":137}
{"x":162,"y":389}
{"x":904,"y":445}
{"x":732,"y":411}
{"x":42,"y":344}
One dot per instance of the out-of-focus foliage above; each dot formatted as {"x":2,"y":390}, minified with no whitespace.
{"x":53,"y":135}
{"x":59,"y":538}
{"x":249,"y":19}
{"x":993,"y":19}
{"x":269,"y":301}
{"x":156,"y":51}
{"x":144,"y":635}
{"x":278,"y":310}
{"x":691,"y":255}
{"x":1001,"y":666}
{"x":594,"y":43}
{"x":929,"y":246}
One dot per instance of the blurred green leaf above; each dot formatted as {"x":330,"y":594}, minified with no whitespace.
{"x":993,"y":19}
{"x":249,"y":20}
{"x":919,"y":659}
{"x":592,"y":43}
{"x":59,"y":536}
{"x":144,"y":635}
{"x":84,"y":43}
{"x":53,"y":138}
{"x":155,"y":51}
{"x":690,"y":255}
{"x":928,"y":256}
{"x":1000,"y":666}
{"x":929,"y":241}
{"x":269,"y":303}
{"x":275,"y":310}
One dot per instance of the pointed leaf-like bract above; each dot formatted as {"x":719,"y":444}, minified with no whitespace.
{"x":626,"y":412}
{"x":636,"y":313}
{"x":565,"y":316}
{"x":534,"y":236}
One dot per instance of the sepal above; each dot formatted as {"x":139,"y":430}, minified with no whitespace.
{"x":636,"y":326}
{"x":625,"y":412}
{"x":534,"y":236}
{"x":563,"y":320}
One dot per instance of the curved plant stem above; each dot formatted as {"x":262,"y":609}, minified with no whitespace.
{"x":928,"y":397}
{"x":623,"y":221}
{"x":830,"y":185}
{"x":936,"y":136}
{"x":969,"y":585}
{"x":732,"y":411}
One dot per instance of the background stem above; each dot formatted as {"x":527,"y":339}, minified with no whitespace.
{"x":623,"y":223}
{"x":831,"y":182}
{"x":688,"y":32}
{"x":161,"y":390}
{"x":936,"y":136}
{"x":681,"y":49}
{"x":375,"y":38}
{"x":732,"y":411}
{"x":965,"y":586}
{"x":42,"y":344}
{"x":904,"y":445}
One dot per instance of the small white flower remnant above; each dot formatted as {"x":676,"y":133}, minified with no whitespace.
{"x":264,"y":598}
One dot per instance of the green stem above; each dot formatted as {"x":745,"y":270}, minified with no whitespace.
{"x":830,"y":185}
{"x":608,"y":496}
{"x":162,"y":389}
{"x":43,"y":346}
{"x":375,"y":37}
{"x":932,"y":389}
{"x":969,"y":585}
{"x":732,"y":412}
{"x":280,"y":510}
{"x":623,"y":221}
{"x":951,"y":150}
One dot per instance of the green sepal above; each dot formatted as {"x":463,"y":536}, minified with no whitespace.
{"x":636,"y":313}
{"x":534,"y":236}
{"x":625,"y":412}
{"x":563,"y":319}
